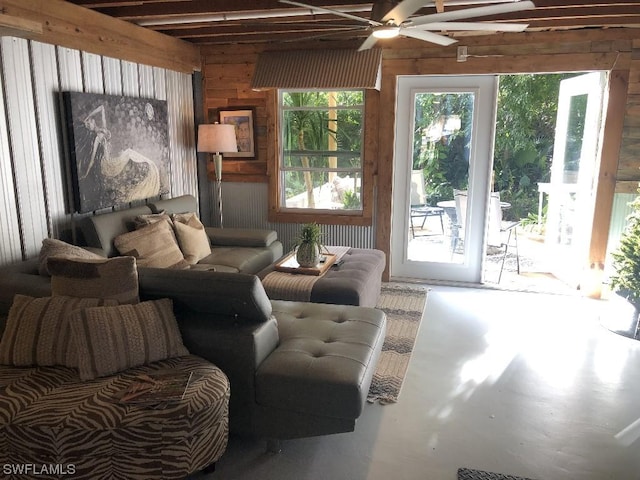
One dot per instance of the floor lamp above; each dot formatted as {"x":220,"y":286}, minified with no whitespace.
{"x":217,"y":138}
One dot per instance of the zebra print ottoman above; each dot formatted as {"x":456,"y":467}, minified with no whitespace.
{"x":54,"y":425}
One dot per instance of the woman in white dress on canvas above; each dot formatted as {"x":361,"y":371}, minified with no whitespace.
{"x":120,"y":178}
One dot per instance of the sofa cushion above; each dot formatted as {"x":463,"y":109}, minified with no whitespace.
{"x":113,"y":278}
{"x":325,"y":359}
{"x":51,"y":247}
{"x":238,"y":259}
{"x":149,"y":218}
{"x":192,"y":237}
{"x":153,"y":246}
{"x":38,"y":332}
{"x":242,"y":237}
{"x":99,"y":231}
{"x":112,"y":339}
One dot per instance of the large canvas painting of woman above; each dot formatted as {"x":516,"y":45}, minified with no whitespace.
{"x":120,"y":149}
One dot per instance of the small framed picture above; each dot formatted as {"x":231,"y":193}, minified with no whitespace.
{"x":243,"y":120}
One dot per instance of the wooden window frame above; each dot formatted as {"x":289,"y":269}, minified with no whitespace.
{"x":362,"y":217}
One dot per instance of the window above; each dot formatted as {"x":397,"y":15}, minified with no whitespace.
{"x":321,"y":144}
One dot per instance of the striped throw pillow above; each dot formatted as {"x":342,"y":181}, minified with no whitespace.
{"x":112,"y":339}
{"x":114,"y":278}
{"x":38,"y":332}
{"x":153,"y":246}
{"x":52,"y":247}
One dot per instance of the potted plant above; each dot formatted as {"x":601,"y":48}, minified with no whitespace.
{"x":625,"y":282}
{"x":309,"y":245}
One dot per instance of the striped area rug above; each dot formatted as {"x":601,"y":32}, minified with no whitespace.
{"x":471,"y":474}
{"x":404,"y":305}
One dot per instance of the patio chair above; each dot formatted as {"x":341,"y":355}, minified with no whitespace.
{"x":419,"y":207}
{"x":497,"y":230}
{"x":457,"y":233}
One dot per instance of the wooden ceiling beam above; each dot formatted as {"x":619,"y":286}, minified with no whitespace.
{"x":204,"y":7}
{"x":71,"y":26}
{"x":218,"y":33}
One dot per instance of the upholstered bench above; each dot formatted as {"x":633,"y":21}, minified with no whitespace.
{"x":321,"y":370}
{"x":355,"y":280}
{"x":48,"y":417}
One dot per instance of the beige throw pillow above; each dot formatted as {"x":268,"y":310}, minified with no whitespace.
{"x":153,"y":246}
{"x":113,"y":278}
{"x":112,"y":339}
{"x":38,"y":330}
{"x":192,"y":237}
{"x":52,"y":247}
{"x":144,"y":220}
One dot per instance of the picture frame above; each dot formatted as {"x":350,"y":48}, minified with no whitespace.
{"x":119,"y":149}
{"x":243,"y":118}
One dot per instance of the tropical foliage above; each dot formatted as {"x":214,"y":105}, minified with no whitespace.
{"x":321,"y":131}
{"x":440,"y":151}
{"x":525,"y":129}
{"x":626,"y":260}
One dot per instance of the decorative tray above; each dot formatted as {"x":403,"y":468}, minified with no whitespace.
{"x":289,"y":264}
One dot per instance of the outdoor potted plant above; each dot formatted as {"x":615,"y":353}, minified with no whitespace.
{"x":625,"y":282}
{"x":309,"y":245}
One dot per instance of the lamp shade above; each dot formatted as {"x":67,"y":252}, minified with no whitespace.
{"x":217,"y":138}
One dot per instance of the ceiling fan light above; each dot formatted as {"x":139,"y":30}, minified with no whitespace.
{"x":386,"y":31}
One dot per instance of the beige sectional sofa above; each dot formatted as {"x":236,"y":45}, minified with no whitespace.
{"x":236,"y":250}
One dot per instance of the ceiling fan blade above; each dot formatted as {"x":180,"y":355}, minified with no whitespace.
{"x":332,"y":12}
{"x":368,"y":43}
{"x":475,"y":26}
{"x":334,"y":33}
{"x":427,"y":36}
{"x":472,"y":12}
{"x":404,"y":10}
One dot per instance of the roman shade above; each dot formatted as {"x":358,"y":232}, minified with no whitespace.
{"x":323,"y":69}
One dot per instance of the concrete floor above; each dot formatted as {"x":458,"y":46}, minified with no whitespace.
{"x":509,"y":382}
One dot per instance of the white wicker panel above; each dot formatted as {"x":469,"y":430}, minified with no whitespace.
{"x":10,"y":246}
{"x":23,"y":138}
{"x":69,"y":69}
{"x":48,"y":116}
{"x":619,"y":213}
{"x":181,"y":134}
{"x":160,"y":83}
{"x":112,"y":74}
{"x":147,"y":89}
{"x":92,"y":73}
{"x":130,"y":82}
{"x":34,"y":177}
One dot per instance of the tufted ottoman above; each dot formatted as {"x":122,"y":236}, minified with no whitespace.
{"x":321,"y":371}
{"x":355,"y":281}
{"x":48,"y":416}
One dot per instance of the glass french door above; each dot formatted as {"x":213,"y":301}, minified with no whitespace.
{"x":442,"y":164}
{"x":576,"y":153}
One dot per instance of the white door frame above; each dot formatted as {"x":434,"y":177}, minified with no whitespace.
{"x":569,"y":262}
{"x":485,"y":89}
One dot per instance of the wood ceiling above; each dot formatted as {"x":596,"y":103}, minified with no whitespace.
{"x":259,"y":21}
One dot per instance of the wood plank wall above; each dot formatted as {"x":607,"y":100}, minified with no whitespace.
{"x":227,"y":74}
{"x":34,"y":187}
{"x":629,"y":165}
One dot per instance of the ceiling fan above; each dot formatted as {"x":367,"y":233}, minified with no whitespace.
{"x":389,"y":20}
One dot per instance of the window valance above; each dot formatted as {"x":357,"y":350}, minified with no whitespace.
{"x":323,"y":69}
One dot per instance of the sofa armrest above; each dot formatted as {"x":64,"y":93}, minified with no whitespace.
{"x":236,"y":296}
{"x":238,"y":350}
{"x":22,"y":277}
{"x":241,"y":237}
